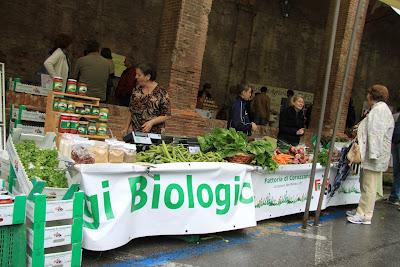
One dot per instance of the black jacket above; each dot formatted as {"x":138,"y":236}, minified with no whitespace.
{"x":290,"y":122}
{"x":239,"y":117}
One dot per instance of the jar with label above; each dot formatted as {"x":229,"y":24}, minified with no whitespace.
{"x":102,"y":129}
{"x":95,"y":111}
{"x":62,"y":105}
{"x":88,"y":109}
{"x":71,"y":86}
{"x":92,"y":128}
{"x":58,"y":85}
{"x":103,"y":115}
{"x":83,"y":127}
{"x":78,"y":110}
{"x":64,"y":124}
{"x":56,"y":101}
{"x":73,"y":125}
{"x":82,"y":88}
{"x":70,"y":107}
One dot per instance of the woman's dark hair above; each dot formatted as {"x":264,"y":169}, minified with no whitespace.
{"x":106,"y":53}
{"x":263,"y":89}
{"x":62,"y":41}
{"x":92,"y":46}
{"x":378,"y":92}
{"x":148,"y":69}
{"x":242,"y":87}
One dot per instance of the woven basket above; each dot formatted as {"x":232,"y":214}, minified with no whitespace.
{"x":241,"y":158}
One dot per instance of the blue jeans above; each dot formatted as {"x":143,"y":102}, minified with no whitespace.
{"x":395,"y":194}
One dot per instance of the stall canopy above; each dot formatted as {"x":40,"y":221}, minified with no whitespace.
{"x":395,"y":4}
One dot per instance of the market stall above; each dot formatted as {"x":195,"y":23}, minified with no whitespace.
{"x":168,"y":189}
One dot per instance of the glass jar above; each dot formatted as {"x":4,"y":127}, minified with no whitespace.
{"x":64,"y":124}
{"x":102,"y":129}
{"x":62,"y":105}
{"x":58,"y":85}
{"x":92,"y":128}
{"x":71,"y":86}
{"x":82,"y":89}
{"x":103,"y":115}
{"x":83,"y":127}
{"x":73,"y":125}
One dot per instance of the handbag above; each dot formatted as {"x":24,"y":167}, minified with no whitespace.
{"x":354,"y":154}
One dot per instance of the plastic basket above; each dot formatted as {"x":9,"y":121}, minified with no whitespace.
{"x":13,"y":245}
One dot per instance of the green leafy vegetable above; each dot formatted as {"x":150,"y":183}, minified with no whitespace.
{"x":229,"y":142}
{"x":42,"y":164}
{"x":323,"y":157}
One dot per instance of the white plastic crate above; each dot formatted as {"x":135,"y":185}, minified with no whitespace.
{"x":25,"y":185}
{"x":59,"y":259}
{"x":55,"y":210}
{"x":53,"y":236}
{"x":31,"y":89}
{"x":13,"y":213}
{"x":31,"y":129}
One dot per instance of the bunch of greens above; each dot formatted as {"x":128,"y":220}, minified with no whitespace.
{"x":229,"y":142}
{"x":263,"y":151}
{"x":42,"y":164}
{"x":175,"y":153}
{"x":323,"y":157}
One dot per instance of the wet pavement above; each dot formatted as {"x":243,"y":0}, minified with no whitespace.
{"x":275,"y":242}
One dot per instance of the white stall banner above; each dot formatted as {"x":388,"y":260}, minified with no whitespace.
{"x":348,"y":193}
{"x":284,"y":192}
{"x":126,"y":201}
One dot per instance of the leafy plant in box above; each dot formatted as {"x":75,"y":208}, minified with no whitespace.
{"x":42,"y":164}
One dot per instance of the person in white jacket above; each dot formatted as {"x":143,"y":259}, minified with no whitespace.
{"x":374,"y":138}
{"x":58,"y":63}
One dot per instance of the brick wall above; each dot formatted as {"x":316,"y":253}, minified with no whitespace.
{"x":130,"y":28}
{"x":282,"y":52}
{"x":379,"y":57}
{"x":342,"y":43}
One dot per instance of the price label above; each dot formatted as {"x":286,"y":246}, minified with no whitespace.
{"x":194,"y":149}
{"x":154,"y":136}
{"x":142,"y":140}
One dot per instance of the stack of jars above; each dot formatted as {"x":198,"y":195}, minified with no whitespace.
{"x":73,"y":87}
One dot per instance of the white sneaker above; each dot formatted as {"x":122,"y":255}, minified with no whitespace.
{"x":351,"y":213}
{"x":357,"y":219}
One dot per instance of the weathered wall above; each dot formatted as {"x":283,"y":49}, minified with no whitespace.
{"x":282,"y":52}
{"x":379,"y":60}
{"x":129,"y":28}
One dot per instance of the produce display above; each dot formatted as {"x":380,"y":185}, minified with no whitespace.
{"x":294,"y":155}
{"x":41,"y":164}
{"x":230,"y":143}
{"x":164,"y":153}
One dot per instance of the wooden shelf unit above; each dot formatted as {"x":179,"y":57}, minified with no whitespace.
{"x":53,"y":117}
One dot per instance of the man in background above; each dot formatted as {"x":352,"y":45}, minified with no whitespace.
{"x":94,"y":70}
{"x":260,"y":107}
{"x":126,"y":84}
{"x":286,"y":102}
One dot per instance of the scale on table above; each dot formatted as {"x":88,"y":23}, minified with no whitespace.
{"x":144,"y":140}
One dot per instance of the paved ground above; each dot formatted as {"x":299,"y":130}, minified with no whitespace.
{"x":278,"y":242}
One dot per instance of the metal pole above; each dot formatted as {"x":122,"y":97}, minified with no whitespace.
{"x":322,"y":115}
{"x":339,"y":111}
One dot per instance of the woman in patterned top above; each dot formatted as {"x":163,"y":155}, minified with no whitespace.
{"x":150,"y":105}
